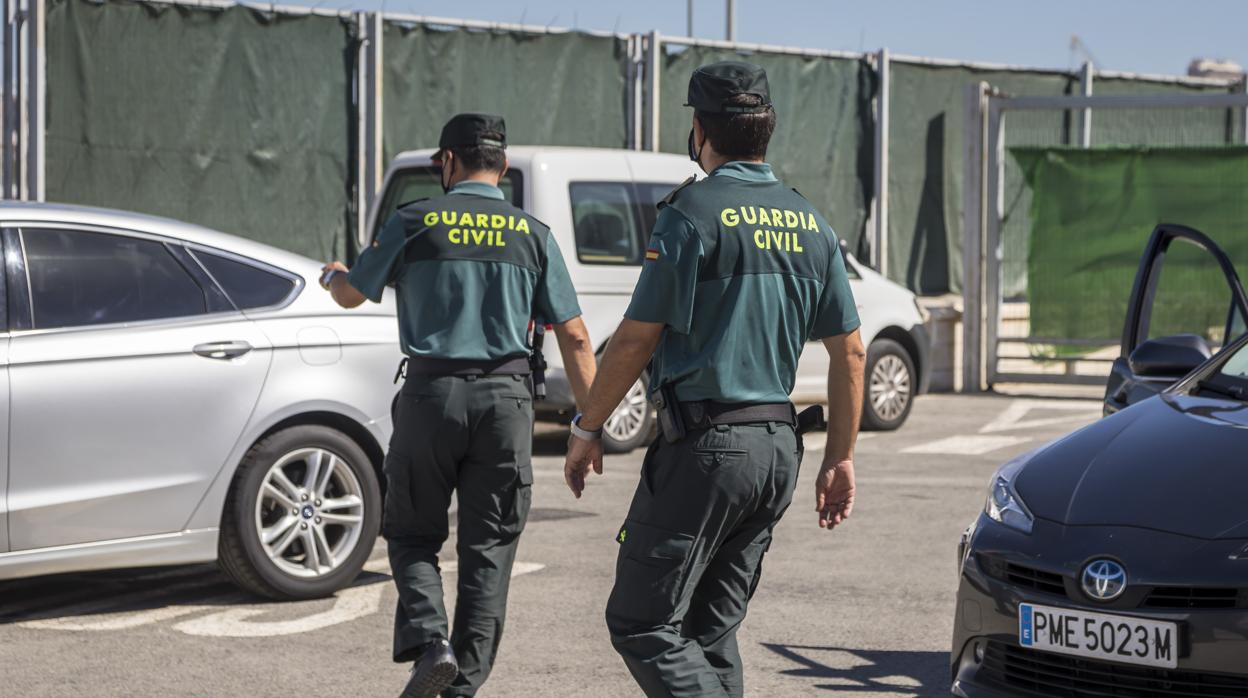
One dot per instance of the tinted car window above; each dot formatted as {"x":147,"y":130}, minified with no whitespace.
{"x":79,"y":278}
{"x":248,"y":286}
{"x":605,"y":222}
{"x":415,"y":183}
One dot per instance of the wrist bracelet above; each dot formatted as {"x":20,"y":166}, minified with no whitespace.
{"x":581,"y":433}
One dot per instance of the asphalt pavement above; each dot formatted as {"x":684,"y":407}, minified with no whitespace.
{"x":865,"y":610}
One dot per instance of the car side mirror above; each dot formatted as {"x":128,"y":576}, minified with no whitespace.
{"x":1169,"y":357}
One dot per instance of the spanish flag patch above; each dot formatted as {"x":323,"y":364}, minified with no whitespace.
{"x":652,"y":255}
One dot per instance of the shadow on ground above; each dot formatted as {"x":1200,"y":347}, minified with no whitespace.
{"x":128,"y":590}
{"x":853,"y":671}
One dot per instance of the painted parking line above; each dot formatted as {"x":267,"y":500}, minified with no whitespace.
{"x":966,"y":445}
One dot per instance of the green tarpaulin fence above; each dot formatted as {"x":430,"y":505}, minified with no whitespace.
{"x":553,"y":89}
{"x":1091,"y":214}
{"x":823,"y":145}
{"x":231,"y":118}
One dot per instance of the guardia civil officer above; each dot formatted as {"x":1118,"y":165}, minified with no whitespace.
{"x":740,"y":272}
{"x":470,"y":271}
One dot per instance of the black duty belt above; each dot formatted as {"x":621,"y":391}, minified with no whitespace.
{"x":424,"y":366}
{"x":708,"y":413}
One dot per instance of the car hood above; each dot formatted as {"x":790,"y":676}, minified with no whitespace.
{"x":1173,"y":463}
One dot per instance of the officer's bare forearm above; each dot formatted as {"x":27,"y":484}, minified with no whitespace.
{"x":578,"y":357}
{"x":846,"y":359}
{"x":626,"y":356}
{"x":343,"y":293}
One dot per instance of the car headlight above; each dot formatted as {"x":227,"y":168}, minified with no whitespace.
{"x":1004,"y":505}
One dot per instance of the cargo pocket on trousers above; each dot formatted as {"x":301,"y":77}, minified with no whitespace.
{"x":650,"y":574}
{"x":513,"y":522}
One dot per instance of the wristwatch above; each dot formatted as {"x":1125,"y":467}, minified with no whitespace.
{"x":328,"y":277}
{"x":585,"y":434}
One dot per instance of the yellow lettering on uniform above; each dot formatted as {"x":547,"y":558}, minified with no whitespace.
{"x":758,"y":239}
{"x":523,"y":226}
{"x":729,"y":217}
{"x":790,"y":219}
{"x":775,"y":239}
{"x":465,"y":219}
{"x":455,"y":236}
{"x":431,"y":218}
{"x":498,"y":239}
{"x":483,"y":220}
{"x":498,"y":221}
{"x":812,"y":224}
{"x":777,"y":218}
{"x":763,"y":218}
{"x":797,"y":243}
{"x":477,"y":236}
{"x":448,"y":217}
{"x":749,"y":214}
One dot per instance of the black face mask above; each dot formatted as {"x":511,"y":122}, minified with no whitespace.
{"x":442,"y":179}
{"x":695,"y":153}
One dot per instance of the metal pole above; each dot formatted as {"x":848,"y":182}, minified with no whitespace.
{"x":689,"y":19}
{"x":33,"y":93}
{"x":653,"y":63}
{"x":972,"y":231}
{"x":1085,"y":114}
{"x":732,"y":20}
{"x":992,"y":249}
{"x":879,"y":246}
{"x":1243,"y":113}
{"x":369,"y":77}
{"x":8,"y":175}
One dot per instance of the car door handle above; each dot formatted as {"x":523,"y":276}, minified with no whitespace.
{"x":222,"y":350}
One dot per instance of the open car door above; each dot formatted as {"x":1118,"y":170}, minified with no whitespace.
{"x":1186,"y":304}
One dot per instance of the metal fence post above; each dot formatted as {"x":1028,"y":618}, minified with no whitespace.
{"x":369,"y":168}
{"x":993,"y":253}
{"x":654,"y":64}
{"x":879,"y":244}
{"x":8,"y":126}
{"x":1243,"y":113}
{"x":972,"y":237}
{"x":1085,"y":114}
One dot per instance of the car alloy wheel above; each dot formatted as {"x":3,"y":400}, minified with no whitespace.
{"x":889,"y":387}
{"x":310,"y":512}
{"x":630,"y":417}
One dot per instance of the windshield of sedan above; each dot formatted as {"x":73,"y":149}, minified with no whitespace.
{"x":1231,"y":378}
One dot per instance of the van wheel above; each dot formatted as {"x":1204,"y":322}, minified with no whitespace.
{"x":631,"y":425}
{"x":302,"y":515}
{"x":889,"y":386}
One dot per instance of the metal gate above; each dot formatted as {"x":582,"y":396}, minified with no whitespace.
{"x":998,"y":341}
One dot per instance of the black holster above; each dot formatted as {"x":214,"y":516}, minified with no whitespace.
{"x":811,"y":419}
{"x":537,"y":360}
{"x":671,"y":419}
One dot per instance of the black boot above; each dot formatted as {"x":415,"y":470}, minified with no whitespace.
{"x":433,"y":672}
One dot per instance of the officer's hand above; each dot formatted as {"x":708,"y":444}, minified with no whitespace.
{"x":582,"y":455}
{"x":337,"y":266}
{"x":834,"y":493}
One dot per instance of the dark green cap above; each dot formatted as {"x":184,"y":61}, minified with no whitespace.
{"x":711,"y":86}
{"x":473,"y":129}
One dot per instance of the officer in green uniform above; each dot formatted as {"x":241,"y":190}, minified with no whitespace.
{"x":471,"y":271}
{"x":740,"y":273}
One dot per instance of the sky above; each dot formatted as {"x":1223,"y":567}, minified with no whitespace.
{"x":1145,"y":36}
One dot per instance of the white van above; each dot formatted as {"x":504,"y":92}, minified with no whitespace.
{"x":601,"y":205}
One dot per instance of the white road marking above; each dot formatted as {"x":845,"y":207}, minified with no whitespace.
{"x":966,"y":445}
{"x":1012,"y":417}
{"x":349,"y":605}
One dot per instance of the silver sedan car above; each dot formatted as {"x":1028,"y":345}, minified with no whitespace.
{"x":176,"y":395}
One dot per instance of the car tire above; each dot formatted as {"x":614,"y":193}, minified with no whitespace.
{"x":632,"y":424}
{"x":890,"y":382}
{"x":292,"y":513}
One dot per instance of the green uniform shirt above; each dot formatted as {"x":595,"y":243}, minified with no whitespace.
{"x":471,"y":270}
{"x":743,"y":271}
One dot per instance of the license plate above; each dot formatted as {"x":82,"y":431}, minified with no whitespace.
{"x":1099,"y":635}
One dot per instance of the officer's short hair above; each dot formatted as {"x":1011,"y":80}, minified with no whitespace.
{"x":482,"y":158}
{"x":740,"y":136}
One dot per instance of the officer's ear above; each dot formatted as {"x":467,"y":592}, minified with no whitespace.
{"x":698,"y":134}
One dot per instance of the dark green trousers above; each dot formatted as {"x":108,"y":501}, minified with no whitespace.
{"x":691,"y":553}
{"x":473,"y":436}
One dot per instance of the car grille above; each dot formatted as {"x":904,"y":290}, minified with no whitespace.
{"x":1175,"y":597}
{"x":1192,"y":597}
{"x":1043,"y":674}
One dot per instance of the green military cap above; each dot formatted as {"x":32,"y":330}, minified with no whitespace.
{"x":473,"y":129}
{"x":711,"y":86}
